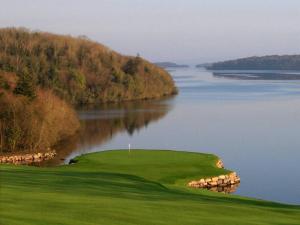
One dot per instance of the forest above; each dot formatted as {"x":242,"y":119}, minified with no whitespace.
{"x":44,"y":76}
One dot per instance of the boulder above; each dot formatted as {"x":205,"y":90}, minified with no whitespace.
{"x":220,"y":181}
{"x":207,"y":180}
{"x":222,"y":177}
{"x":215,"y":179}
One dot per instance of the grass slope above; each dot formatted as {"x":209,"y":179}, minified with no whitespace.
{"x":118,"y":187}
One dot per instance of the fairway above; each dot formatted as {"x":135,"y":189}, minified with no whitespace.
{"x":140,"y":187}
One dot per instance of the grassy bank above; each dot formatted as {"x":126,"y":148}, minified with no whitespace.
{"x":118,"y":187}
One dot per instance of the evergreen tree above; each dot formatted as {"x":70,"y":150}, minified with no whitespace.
{"x":26,"y":85}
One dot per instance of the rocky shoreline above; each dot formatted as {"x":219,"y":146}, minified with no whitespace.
{"x":28,"y":158}
{"x":223,"y":183}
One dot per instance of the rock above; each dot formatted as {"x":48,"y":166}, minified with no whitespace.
{"x":207,"y":180}
{"x":222,"y":177}
{"x":192,"y":183}
{"x":223,"y":183}
{"x":220,"y":182}
{"x":232,"y":175}
{"x":27,"y":158}
{"x":220,"y":164}
{"x":213,"y":183}
{"x":215,"y":179}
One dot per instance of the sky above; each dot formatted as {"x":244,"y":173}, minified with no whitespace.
{"x":182,"y":31}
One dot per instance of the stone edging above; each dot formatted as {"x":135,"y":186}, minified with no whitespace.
{"x":220,"y":164}
{"x":28,"y":158}
{"x":223,"y":183}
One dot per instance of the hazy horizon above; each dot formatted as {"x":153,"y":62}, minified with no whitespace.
{"x":189,"y":32}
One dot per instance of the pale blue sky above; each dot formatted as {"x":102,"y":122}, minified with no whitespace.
{"x":184,"y":31}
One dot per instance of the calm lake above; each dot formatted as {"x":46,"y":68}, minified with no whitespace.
{"x":253,"y":125}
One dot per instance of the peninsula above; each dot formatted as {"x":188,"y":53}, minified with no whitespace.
{"x":43,"y":76}
{"x":272,"y":62}
{"x":170,"y":65}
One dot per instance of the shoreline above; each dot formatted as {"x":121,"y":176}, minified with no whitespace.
{"x":227,"y":183}
{"x":27,"y":158}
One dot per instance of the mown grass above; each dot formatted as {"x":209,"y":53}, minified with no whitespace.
{"x":118,"y":187}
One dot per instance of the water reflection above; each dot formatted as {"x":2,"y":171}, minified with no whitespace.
{"x":100,"y":125}
{"x":257,"y":74}
{"x":226,"y":190}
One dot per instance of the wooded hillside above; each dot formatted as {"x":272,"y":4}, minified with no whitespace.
{"x":79,"y":70}
{"x":42,"y":75}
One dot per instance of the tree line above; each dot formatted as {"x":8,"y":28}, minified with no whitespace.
{"x":273,"y":62}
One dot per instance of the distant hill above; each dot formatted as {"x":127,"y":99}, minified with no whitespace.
{"x":170,"y":65}
{"x":272,"y":62}
{"x":203,"y":65}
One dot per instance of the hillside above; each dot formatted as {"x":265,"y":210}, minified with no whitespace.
{"x":79,"y":70}
{"x":273,"y":62}
{"x":42,"y":75}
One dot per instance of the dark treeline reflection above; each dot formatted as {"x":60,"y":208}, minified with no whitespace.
{"x":101,"y":124}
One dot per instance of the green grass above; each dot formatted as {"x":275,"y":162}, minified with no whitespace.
{"x":117,"y":187}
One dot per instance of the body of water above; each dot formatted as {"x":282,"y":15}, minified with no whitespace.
{"x":253,"y":125}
